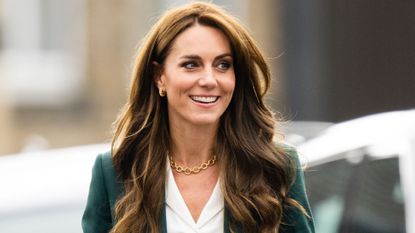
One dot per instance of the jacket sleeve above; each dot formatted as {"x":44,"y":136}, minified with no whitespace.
{"x":294,"y":220}
{"x":97,"y":214}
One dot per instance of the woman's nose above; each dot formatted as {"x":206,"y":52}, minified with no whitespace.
{"x":208,"y":79}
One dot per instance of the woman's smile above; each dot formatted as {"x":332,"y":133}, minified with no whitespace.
{"x":204,"y":99}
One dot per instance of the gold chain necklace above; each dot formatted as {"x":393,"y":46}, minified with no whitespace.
{"x":194,"y":170}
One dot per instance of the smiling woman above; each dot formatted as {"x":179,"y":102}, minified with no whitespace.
{"x":193,"y":149}
{"x":198,"y":77}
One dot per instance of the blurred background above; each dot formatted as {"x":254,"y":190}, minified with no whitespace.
{"x":65,"y":65}
{"x":64,"y":74}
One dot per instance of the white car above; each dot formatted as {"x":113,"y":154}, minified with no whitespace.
{"x":360,"y":175}
{"x":46,"y":191}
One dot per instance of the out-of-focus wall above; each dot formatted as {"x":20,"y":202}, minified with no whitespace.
{"x":347,"y":59}
{"x":115,"y":29}
{"x":265,"y":21}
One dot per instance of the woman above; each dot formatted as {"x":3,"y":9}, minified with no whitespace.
{"x":193,"y":149}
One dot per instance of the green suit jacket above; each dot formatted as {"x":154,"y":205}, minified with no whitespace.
{"x":105,"y":189}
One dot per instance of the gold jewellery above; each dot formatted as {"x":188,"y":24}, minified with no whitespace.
{"x":162,"y":92}
{"x":194,"y":170}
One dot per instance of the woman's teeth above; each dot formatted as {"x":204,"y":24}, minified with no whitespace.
{"x":204,"y":99}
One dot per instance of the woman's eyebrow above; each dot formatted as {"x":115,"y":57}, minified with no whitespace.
{"x":197,"y":57}
{"x":191,"y":56}
{"x":224,"y":55}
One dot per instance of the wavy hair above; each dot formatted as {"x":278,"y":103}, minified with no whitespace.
{"x":255,"y":174}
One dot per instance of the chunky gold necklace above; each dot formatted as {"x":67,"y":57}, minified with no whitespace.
{"x":194,"y":170}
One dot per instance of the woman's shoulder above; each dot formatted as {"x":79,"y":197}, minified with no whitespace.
{"x":289,"y":150}
{"x":294,"y":219}
{"x":104,"y":190}
{"x":104,"y":163}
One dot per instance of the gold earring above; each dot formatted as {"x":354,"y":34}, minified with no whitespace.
{"x":162,"y":92}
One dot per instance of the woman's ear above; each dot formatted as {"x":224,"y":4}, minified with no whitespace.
{"x":158,"y":71}
{"x":158,"y":78}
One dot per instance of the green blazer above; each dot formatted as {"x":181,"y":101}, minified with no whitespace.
{"x":105,"y":190}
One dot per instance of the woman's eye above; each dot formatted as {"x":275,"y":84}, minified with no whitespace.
{"x":189,"y":65}
{"x":224,"y":65}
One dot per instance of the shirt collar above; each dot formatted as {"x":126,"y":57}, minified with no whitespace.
{"x":175,"y":201}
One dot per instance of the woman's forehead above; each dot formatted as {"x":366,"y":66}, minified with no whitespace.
{"x":200,"y":40}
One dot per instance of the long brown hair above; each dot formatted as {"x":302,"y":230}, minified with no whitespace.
{"x":255,"y":174}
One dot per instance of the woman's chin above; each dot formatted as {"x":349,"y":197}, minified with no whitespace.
{"x":204,"y":120}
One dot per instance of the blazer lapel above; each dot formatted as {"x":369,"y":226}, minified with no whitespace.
{"x":226,"y":221}
{"x":163,"y":220}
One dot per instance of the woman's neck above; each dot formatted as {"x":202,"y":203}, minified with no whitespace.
{"x":192,"y":145}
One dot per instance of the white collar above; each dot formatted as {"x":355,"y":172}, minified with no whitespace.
{"x":175,"y":201}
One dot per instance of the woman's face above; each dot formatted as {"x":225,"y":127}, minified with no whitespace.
{"x":198,"y":76}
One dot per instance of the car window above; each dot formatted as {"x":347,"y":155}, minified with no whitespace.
{"x":327,"y":186}
{"x":357,"y":196}
{"x":375,"y":201}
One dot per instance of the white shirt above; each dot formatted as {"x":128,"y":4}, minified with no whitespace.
{"x":180,"y":220}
